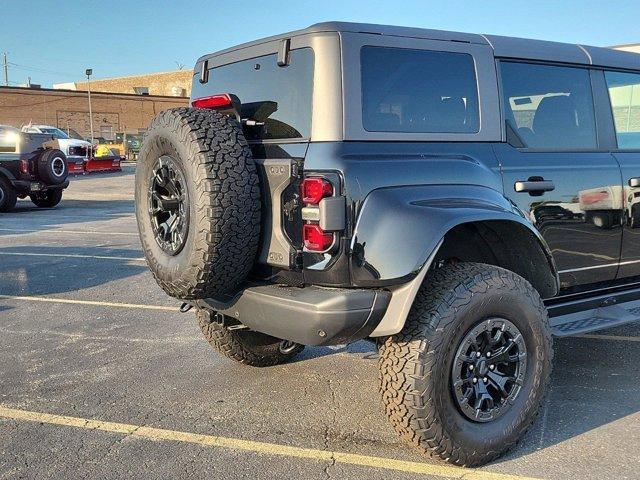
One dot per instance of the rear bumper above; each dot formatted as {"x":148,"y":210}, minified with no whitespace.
{"x":310,"y":315}
{"x":26,"y":186}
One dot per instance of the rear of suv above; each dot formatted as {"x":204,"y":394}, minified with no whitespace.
{"x":31,"y":165}
{"x":413,"y":187}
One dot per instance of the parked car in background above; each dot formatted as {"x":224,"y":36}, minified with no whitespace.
{"x":31,"y":165}
{"x":77,"y":151}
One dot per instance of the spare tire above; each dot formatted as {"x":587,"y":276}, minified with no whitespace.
{"x":197,"y":203}
{"x":52,"y":167}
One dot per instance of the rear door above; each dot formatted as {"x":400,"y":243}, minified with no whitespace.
{"x":555,"y":171}
{"x":624,"y":94}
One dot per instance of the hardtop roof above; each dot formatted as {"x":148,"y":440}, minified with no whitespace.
{"x":504,"y":47}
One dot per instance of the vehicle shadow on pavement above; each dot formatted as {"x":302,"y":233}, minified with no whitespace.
{"x":38,"y":270}
{"x":27,"y":218}
{"x":365,"y":349}
{"x":594,"y":383}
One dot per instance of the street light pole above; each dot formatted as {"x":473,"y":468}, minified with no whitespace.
{"x":6,"y":70}
{"x":88,"y":72}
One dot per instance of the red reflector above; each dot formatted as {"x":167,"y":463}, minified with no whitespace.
{"x":315,"y":189}
{"x":214,"y":101}
{"x":315,"y":238}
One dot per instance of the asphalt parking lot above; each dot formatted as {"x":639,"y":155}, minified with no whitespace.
{"x":102,"y":377}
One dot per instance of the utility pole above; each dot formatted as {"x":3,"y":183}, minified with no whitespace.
{"x":6,"y":70}
{"x":89,"y":71}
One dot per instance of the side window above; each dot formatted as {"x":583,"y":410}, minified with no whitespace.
{"x":624,"y":92}
{"x":418,"y":91}
{"x":549,"y":106}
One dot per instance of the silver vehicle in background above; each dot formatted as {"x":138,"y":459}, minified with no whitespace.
{"x":77,"y":151}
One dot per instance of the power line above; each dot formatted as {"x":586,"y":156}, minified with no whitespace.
{"x":36,"y":69}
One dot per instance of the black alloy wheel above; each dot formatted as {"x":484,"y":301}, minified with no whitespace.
{"x":489,"y":369}
{"x":169,"y":205}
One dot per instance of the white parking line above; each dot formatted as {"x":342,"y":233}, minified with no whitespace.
{"x":71,"y":255}
{"x":80,"y":232}
{"x":609,"y":337}
{"x":28,"y":298}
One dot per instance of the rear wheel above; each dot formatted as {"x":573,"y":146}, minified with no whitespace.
{"x":8,"y":196}
{"x":246,"y":346}
{"x":466,"y":376}
{"x":47,"y":199}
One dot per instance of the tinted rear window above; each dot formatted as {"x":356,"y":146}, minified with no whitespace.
{"x":418,"y":91}
{"x":280,"y":97}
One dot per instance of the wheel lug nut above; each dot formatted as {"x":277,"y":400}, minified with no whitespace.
{"x":478,"y":354}
{"x":470,"y":367}
{"x":485,"y":379}
{"x":488,"y":354}
{"x":492,"y":367}
{"x":475,"y":380}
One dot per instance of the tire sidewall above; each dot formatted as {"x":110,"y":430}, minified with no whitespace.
{"x":8,"y":198}
{"x":524,"y":313}
{"x":47,"y":199}
{"x":4,"y":193}
{"x":154,"y":146}
{"x":45,"y":167}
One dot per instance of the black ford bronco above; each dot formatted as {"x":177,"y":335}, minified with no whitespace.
{"x":31,"y":164}
{"x":457,"y":198}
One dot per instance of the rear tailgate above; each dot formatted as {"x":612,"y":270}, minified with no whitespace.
{"x":274,"y":104}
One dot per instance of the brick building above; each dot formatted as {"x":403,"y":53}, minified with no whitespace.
{"x":112,"y":112}
{"x":174,"y":84}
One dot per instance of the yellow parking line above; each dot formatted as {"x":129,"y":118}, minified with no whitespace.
{"x":29,"y":298}
{"x":256,"y":447}
{"x":71,"y":255}
{"x":80,"y":232}
{"x":609,"y":337}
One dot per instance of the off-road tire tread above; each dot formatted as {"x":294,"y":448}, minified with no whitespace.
{"x":49,"y":202}
{"x":230,"y":344}
{"x":227,"y":202}
{"x":407,"y":359}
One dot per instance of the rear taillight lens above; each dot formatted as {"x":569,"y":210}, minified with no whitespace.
{"x":316,"y":239}
{"x":24,"y":165}
{"x":214,"y":101}
{"x":315,"y":189}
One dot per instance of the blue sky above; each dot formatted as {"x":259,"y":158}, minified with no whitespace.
{"x":54,"y":41}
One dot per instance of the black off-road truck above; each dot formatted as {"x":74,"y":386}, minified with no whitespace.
{"x":457,"y":198}
{"x":31,"y":165}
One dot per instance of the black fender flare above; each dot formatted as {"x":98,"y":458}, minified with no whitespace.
{"x":398,"y":229}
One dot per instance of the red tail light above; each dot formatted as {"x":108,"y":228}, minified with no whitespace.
{"x":315,"y":238}
{"x":315,"y":189}
{"x":214,"y":101}
{"x":24,"y":165}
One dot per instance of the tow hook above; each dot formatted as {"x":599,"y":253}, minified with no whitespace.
{"x":185,"y":307}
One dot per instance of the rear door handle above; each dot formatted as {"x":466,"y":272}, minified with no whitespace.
{"x":534,"y":186}
{"x":634,"y":182}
